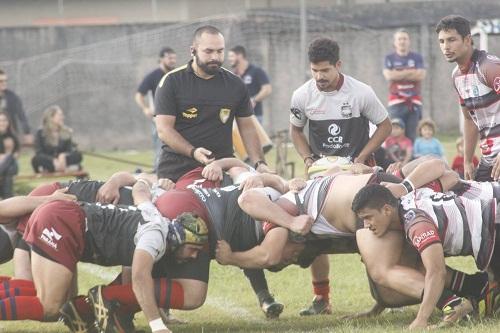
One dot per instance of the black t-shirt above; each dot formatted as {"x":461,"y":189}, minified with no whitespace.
{"x":109,"y":235}
{"x":86,"y":191}
{"x":229,"y":221}
{"x":254,"y":78}
{"x":150,"y":82}
{"x":204,"y":109}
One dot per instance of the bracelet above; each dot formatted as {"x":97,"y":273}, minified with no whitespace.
{"x":191,"y":153}
{"x":408,"y":185}
{"x":308,"y":157}
{"x":259,"y":162}
{"x":157,"y":325}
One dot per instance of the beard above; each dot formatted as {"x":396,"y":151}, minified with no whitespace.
{"x":211,"y":68}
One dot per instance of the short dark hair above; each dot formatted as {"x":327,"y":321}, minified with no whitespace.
{"x":209,"y":29}
{"x":373,"y":196}
{"x":457,"y":22}
{"x":324,"y":49}
{"x":166,"y":50}
{"x":238,"y":49}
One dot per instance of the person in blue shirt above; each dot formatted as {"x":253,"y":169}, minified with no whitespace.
{"x":426,"y":143}
{"x":404,"y":70}
{"x":254,"y":77}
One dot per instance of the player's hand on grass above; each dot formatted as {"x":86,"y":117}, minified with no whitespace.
{"x":61,"y":194}
{"x":212,"y":172}
{"x":202,"y":155}
{"x":223,"y":252}
{"x":418,"y":324}
{"x":254,"y":181}
{"x":165,"y":184}
{"x":302,"y":224}
{"x":109,"y":192}
{"x":296,"y":184}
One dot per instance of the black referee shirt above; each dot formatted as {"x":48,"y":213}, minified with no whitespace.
{"x":204,"y":109}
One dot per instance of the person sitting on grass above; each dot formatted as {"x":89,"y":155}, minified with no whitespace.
{"x":426,"y":143}
{"x":54,"y":146}
{"x":9,"y":147}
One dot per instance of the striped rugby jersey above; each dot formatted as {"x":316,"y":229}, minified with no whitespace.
{"x":479,"y":91}
{"x":464,"y":225}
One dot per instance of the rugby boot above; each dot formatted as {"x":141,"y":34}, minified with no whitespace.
{"x":106,"y":317}
{"x":318,"y":306}
{"x":73,"y":320}
{"x":453,"y":314}
{"x":270,"y":307}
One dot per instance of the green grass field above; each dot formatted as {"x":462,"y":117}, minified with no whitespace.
{"x":231,"y":305}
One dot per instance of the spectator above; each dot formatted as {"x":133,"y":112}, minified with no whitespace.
{"x":168,"y":59}
{"x":404,"y":70}
{"x":397,"y":145}
{"x":427,"y":144}
{"x":254,"y":77}
{"x":458,"y":160}
{"x":11,"y":104}
{"x":54,"y":147}
{"x":9,"y":146}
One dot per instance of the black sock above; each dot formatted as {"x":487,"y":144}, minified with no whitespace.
{"x":447,"y":298}
{"x":469,"y":285}
{"x":259,"y":284}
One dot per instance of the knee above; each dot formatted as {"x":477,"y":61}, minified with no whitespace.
{"x":194,"y":296}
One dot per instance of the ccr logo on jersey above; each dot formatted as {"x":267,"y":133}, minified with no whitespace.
{"x":334,"y":129}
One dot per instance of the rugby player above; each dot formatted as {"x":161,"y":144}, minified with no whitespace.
{"x":62,"y":233}
{"x":328,"y":200}
{"x":436,"y":225}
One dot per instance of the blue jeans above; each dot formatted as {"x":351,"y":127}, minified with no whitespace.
{"x":410,"y":117}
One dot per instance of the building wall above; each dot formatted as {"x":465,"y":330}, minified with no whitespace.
{"x":93,"y":71}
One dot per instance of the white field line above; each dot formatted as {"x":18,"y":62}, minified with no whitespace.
{"x":222,"y":304}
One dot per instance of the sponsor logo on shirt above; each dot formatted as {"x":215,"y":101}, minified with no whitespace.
{"x":411,"y":63}
{"x":296,"y":113}
{"x":190,"y":113}
{"x":334,"y":129}
{"x":417,"y":240}
{"x":346,"y":110}
{"x":247,"y":79}
{"x":335,"y":141}
{"x":224,"y":115}
{"x":50,"y":237}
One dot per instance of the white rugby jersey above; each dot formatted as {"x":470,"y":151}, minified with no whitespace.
{"x":465,"y":224}
{"x":479,"y":91}
{"x":338,"y":120}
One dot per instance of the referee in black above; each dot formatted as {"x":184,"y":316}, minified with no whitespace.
{"x":195,"y":106}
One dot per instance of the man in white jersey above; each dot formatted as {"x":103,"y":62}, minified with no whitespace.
{"x":339,"y":109}
{"x":437,"y":225}
{"x":477,"y":81}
